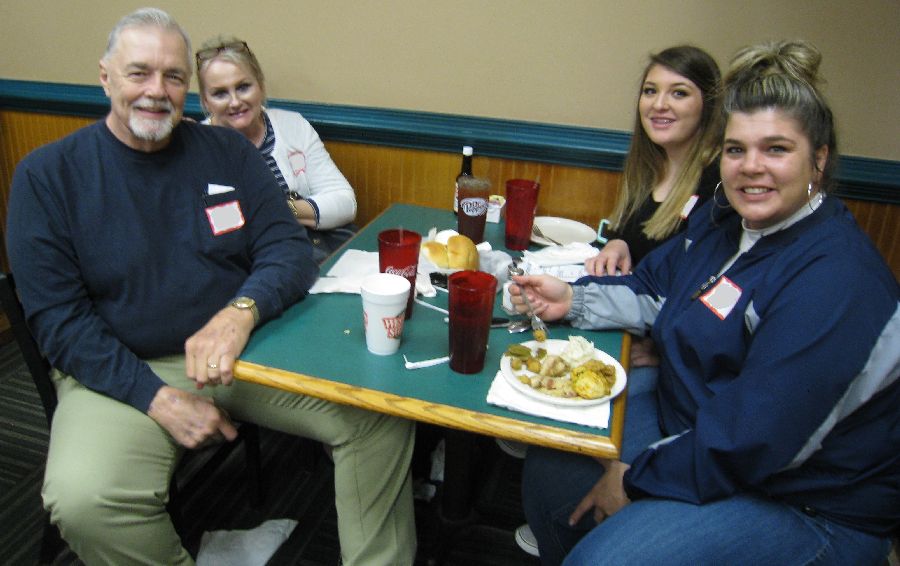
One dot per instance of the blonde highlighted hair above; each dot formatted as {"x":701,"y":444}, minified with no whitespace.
{"x":234,"y":50}
{"x":646,"y":161}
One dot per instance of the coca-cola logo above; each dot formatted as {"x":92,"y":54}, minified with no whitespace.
{"x":473,"y":206}
{"x":409,"y":271}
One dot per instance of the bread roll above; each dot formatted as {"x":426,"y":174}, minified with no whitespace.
{"x":436,"y":254}
{"x":461,"y":253}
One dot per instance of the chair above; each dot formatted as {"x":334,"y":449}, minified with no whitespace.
{"x":39,"y":367}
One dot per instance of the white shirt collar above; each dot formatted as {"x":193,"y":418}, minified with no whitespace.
{"x":749,"y":236}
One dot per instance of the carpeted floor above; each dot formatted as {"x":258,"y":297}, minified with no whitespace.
{"x":298,"y":480}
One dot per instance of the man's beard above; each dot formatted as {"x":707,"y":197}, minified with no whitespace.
{"x":149,"y":129}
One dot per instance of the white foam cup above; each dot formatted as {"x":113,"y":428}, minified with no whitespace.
{"x":384,"y":297}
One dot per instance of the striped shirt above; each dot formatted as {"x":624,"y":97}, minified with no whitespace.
{"x":266,"y":148}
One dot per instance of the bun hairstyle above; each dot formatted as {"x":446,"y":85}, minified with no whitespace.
{"x":784,"y":75}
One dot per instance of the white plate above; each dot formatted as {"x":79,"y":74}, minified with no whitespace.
{"x":555,"y":347}
{"x":562,"y":230}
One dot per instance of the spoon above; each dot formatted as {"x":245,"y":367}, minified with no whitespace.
{"x":536,"y":230}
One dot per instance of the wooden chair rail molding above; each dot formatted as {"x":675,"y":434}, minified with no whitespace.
{"x":383,"y":175}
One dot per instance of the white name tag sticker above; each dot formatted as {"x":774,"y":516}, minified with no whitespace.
{"x":214,"y":189}
{"x":224,"y":218}
{"x":722,"y":297}
{"x":689,"y":206}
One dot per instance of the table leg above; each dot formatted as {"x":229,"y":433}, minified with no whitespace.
{"x":456,"y":501}
{"x":455,"y":511}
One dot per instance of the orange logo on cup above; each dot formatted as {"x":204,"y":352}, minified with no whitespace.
{"x":393,"y":326}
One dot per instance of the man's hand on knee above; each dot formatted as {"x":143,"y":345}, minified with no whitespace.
{"x":193,"y":421}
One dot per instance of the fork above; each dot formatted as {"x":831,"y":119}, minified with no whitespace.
{"x":540,"y":234}
{"x":537,"y":325}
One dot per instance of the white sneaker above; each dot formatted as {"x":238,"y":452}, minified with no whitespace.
{"x":526,"y":541}
{"x":513,"y":448}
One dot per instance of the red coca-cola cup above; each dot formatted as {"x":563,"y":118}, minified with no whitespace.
{"x":521,"y":203}
{"x":398,"y":253}
{"x":471,"y":307}
{"x":473,"y":206}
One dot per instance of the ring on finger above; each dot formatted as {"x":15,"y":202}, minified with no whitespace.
{"x":212,"y":365}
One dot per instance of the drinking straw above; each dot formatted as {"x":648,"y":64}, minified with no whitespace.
{"x":430,"y":306}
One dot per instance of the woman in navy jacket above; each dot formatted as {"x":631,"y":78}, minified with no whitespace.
{"x":773,"y":435}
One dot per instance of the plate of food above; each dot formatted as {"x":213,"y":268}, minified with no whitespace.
{"x":562,"y":230}
{"x":570,"y":373}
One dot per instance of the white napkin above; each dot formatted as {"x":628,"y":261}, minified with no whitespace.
{"x":503,"y":394}
{"x":348,"y":272}
{"x":572,"y":253}
{"x":565,"y":262}
{"x":244,"y":548}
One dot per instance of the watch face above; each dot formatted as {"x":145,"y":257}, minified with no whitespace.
{"x":246,"y":303}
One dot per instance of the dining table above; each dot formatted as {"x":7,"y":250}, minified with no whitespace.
{"x":317,"y":347}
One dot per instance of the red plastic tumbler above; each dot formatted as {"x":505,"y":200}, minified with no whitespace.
{"x":471,"y":307}
{"x":521,"y":203}
{"x":398,"y":253}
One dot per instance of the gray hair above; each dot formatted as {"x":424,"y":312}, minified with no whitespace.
{"x":148,"y":17}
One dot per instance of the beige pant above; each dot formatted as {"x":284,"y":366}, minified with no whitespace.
{"x":109,"y":466}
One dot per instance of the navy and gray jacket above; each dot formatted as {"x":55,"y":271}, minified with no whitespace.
{"x":780,"y":377}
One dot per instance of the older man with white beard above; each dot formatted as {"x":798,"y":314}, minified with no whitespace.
{"x":146,"y":249}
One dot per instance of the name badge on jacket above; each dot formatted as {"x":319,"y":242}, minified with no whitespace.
{"x":722,"y":297}
{"x":225,"y":217}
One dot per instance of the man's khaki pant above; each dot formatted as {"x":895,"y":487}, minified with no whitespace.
{"x":109,"y":466}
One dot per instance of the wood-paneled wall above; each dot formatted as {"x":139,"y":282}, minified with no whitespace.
{"x":384,"y":175}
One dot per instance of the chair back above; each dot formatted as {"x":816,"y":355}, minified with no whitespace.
{"x":37,"y":363}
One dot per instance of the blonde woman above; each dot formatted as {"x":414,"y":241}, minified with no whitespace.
{"x":233,"y":93}
{"x":671,"y":165}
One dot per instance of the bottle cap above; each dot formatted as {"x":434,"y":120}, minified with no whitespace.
{"x":467,"y":150}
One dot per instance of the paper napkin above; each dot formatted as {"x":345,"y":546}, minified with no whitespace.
{"x":244,"y":548}
{"x":348,"y":272}
{"x":504,"y":395}
{"x":565,"y":262}
{"x":573,"y":253}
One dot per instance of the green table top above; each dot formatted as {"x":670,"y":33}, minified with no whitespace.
{"x":322,"y":336}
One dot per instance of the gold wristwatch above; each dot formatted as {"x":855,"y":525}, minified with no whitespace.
{"x":246,"y":303}
{"x":294,"y":196}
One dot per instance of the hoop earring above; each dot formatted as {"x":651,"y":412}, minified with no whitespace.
{"x":809,"y":196}
{"x":712,"y":209}
{"x":716,"y":200}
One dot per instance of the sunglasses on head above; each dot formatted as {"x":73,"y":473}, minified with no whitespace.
{"x":211,"y":52}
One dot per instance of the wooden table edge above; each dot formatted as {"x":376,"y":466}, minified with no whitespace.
{"x":439,"y":414}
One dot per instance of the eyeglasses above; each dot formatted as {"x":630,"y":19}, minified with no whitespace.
{"x":211,"y":52}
